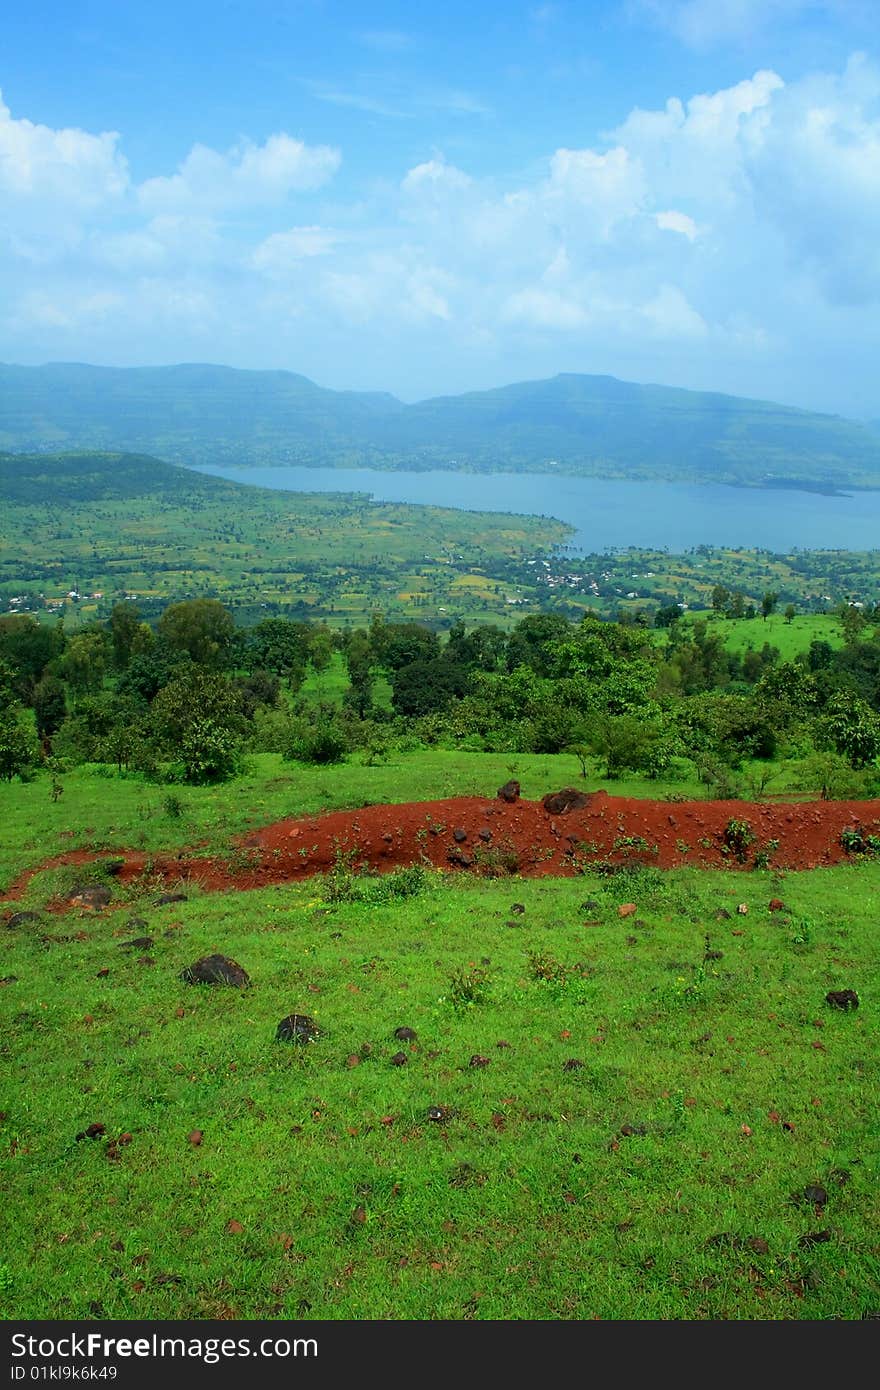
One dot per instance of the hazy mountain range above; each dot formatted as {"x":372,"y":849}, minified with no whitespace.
{"x":588,"y":425}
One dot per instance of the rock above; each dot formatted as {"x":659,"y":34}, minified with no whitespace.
{"x":298,"y":1028}
{"x":721,"y":914}
{"x":485,"y":834}
{"x":569,"y":799}
{"x":140,"y":943}
{"x":629,"y":1130}
{"x":21,"y":919}
{"x":518,"y":908}
{"x":94,"y":1131}
{"x":459,"y":834}
{"x":573,"y":1064}
{"x":164,"y":898}
{"x":478,"y":1061}
{"x":509,"y":792}
{"x":626,"y":909}
{"x":90,"y":895}
{"x":438,"y":1113}
{"x":399,"y":1059}
{"x":216,"y":970}
{"x":742,"y":909}
{"x":812,"y":1238}
{"x":405,"y":1034}
{"x":776,"y":905}
{"x":842,"y":999}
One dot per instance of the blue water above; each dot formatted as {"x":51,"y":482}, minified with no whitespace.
{"x":607,"y":513}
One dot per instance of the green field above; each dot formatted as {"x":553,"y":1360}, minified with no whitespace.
{"x":662,"y":1178}
{"x":110,"y":525}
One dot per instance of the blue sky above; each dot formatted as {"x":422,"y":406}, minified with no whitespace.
{"x":430,"y":201}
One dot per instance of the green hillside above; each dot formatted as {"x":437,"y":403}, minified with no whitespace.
{"x":589,"y":425}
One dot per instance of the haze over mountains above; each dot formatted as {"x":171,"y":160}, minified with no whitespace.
{"x":588,"y":425}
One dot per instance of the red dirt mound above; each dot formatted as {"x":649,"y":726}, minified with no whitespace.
{"x":495,"y":838}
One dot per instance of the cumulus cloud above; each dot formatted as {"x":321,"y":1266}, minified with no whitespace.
{"x":248,"y":175}
{"x":69,"y":166}
{"x":283,"y":251}
{"x":733,"y":233}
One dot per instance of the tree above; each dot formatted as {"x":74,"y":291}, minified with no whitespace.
{"x":667,"y":616}
{"x":125,"y":620}
{"x":200,"y":627}
{"x":19,"y":749}
{"x":720,"y":598}
{"x":50,"y":706}
{"x":197,"y":719}
{"x":85,"y":661}
{"x":790,"y":612}
{"x":768,"y":604}
{"x":853,"y":728}
{"x":424,"y":687}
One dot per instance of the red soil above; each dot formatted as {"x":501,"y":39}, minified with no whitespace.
{"x":495,"y":837}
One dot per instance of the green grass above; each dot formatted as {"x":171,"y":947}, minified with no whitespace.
{"x":529,"y":1201}
{"x":743,"y":634}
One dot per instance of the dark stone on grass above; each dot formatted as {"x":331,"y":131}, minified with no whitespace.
{"x":721,"y":914}
{"x":839,"y":1176}
{"x":842,"y":999}
{"x":713,"y":955}
{"x":510,"y":791}
{"x":9,"y":980}
{"x":478,"y":1061}
{"x":438,"y":1113}
{"x":405,"y":1034}
{"x":629,"y":1130}
{"x":298,"y":1028}
{"x":812,"y":1238}
{"x":573,"y":1064}
{"x":518,"y":908}
{"x":485,"y":834}
{"x":94,"y":1131}
{"x":813,"y":1193}
{"x":216,"y":970}
{"x":164,"y":898}
{"x":91,"y":895}
{"x":459,"y":834}
{"x":569,"y":799}
{"x":140,"y":943}
{"x":590,"y":905}
{"x":21,"y":919}
{"x":399,"y":1059}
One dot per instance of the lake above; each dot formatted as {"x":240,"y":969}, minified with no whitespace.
{"x":607,"y":513}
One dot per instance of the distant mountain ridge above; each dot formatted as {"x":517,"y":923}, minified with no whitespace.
{"x":588,"y":425}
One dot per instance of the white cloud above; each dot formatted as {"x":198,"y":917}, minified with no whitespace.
{"x":248,"y":175}
{"x":672,"y":221}
{"x":69,"y":166}
{"x":745,"y":219}
{"x":543,"y":308}
{"x":283,"y":251}
{"x":669,"y":315}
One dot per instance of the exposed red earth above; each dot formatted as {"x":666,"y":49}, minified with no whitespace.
{"x":492,"y":837}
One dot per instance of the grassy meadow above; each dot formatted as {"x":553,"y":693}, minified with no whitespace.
{"x":654,"y":1116}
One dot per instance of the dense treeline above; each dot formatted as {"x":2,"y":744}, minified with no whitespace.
{"x":186,"y":697}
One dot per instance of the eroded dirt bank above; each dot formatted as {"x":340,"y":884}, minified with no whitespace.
{"x":493,"y":837}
